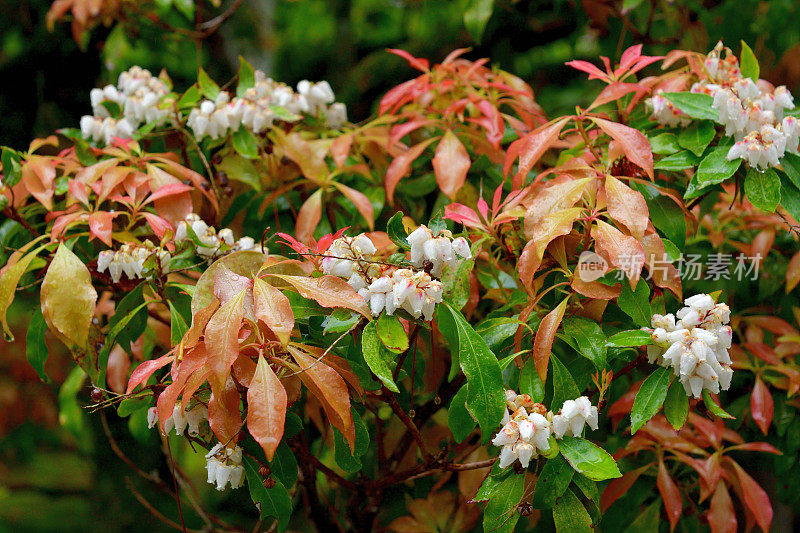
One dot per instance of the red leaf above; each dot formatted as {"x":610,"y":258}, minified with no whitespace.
{"x":328,"y":291}
{"x":618,"y":487}
{"x":623,"y":251}
{"x":722,"y":515}
{"x":222,"y":335}
{"x":793,"y":273}
{"x":266,"y":408}
{"x":401,"y":165}
{"x":450,"y":164}
{"x":463,"y":215}
{"x":756,"y":447}
{"x":223,"y":409}
{"x":627,"y":206}
{"x":632,"y":141}
{"x":584,"y":66}
{"x":272,"y":307}
{"x":330,"y":389}
{"x":167,"y":191}
{"x":158,"y":224}
{"x":615,"y":91}
{"x":416,"y":62}
{"x":309,"y":216}
{"x":670,"y":494}
{"x":531,"y":147}
{"x":143,"y":372}
{"x":545,"y":336}
{"x":763,"y":352}
{"x":755,"y":497}
{"x":362,"y":203}
{"x":761,"y":406}
{"x":340,"y":148}
{"x":100,"y":225}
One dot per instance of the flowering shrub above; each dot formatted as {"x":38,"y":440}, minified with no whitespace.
{"x":427,"y":309}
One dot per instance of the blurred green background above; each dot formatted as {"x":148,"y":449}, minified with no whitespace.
{"x":58,"y":471}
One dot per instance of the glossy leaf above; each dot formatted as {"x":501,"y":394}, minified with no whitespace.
{"x":633,"y":143}
{"x":328,"y":291}
{"x":750,"y":68}
{"x":273,"y":308}
{"x":627,"y":206}
{"x":590,"y":339}
{"x":274,"y":502}
{"x":694,"y":105}
{"x":761,"y":405}
{"x":530,"y":383}
{"x":636,"y":304}
{"x":553,"y":480}
{"x":721,"y":513}
{"x":650,"y":398}
{"x":485,"y":390}
{"x":35,"y":346}
{"x":564,"y":387}
{"x":450,"y":164}
{"x":266,"y":408}
{"x":222,"y":335}
{"x":391,"y":333}
{"x":545,"y":336}
{"x":377,"y":356}
{"x":68,"y":297}
{"x":459,"y":420}
{"x":697,"y":136}
{"x":713,"y":407}
{"x":673,"y":502}
{"x":589,"y":459}
{"x":676,"y":405}
{"x":570,"y":515}
{"x":500,"y":514}
{"x":755,"y":498}
{"x":763,"y":188}
{"x":624,"y":339}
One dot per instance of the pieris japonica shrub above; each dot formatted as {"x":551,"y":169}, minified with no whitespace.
{"x":458,"y":314}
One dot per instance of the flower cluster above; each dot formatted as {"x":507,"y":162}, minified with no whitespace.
{"x":694,"y":343}
{"x":529,"y":426}
{"x":439,"y":251}
{"x":212,"y":242}
{"x":193,"y":418}
{"x":130,"y":259}
{"x":752,"y":113}
{"x":138,"y":95}
{"x":665,"y":111}
{"x":388,"y":287}
{"x":264,"y":103}
{"x":224,"y":465}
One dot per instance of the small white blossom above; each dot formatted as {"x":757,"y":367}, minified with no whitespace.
{"x":439,"y":251}
{"x":130,"y":259}
{"x":192,"y":419}
{"x":573,"y":416}
{"x":665,"y":111}
{"x":694,"y":343}
{"x":212,"y":242}
{"x":224,"y":466}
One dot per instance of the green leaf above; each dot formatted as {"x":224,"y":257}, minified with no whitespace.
{"x":273,"y":502}
{"x":486,"y":393}
{"x":636,"y":304}
{"x":714,"y":408}
{"x":695,"y":105}
{"x":186,"y":7}
{"x":130,"y":311}
{"x":208,"y":88}
{"x":303,"y":308}
{"x":391,"y":333}
{"x":791,"y":165}
{"x":530,"y":383}
{"x":665,"y":144}
{"x":749,"y":63}
{"x":347,"y":461}
{"x":714,"y":168}
{"x":495,"y":331}
{"x":630,"y":5}
{"x":12,"y":168}
{"x":552,"y":482}
{"x":650,"y":398}
{"x":70,"y":414}
{"x":375,"y":355}
{"x":680,"y":161}
{"x":763,"y":188}
{"x":790,"y":196}
{"x":458,"y":418}
{"x":284,"y":464}
{"x":178,"y":326}
{"x":564,"y":387}
{"x":676,"y":406}
{"x":626,"y":339}
{"x":455,"y":284}
{"x":397,"y":232}
{"x":697,"y":136}
{"x":589,"y":459}
{"x":241,"y":169}
{"x":669,"y":218}
{"x":648,"y":520}
{"x":587,"y":487}
{"x":247,"y":77}
{"x":128,"y":406}
{"x":245,"y":143}
{"x":500,"y":515}
{"x":35,"y":346}
{"x":590,"y":339}
{"x":341,"y":320}
{"x":570,"y":516}
{"x":476,"y":16}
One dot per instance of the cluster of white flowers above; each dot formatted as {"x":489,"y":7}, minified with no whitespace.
{"x":665,"y":111}
{"x":753,"y":114}
{"x":256,"y":108}
{"x":528,"y":426}
{"x":192,"y":419}
{"x":212,"y":241}
{"x":129,"y":260}
{"x":694,"y":343}
{"x":439,"y":251}
{"x":573,"y":416}
{"x":138,"y":94}
{"x":388,"y":287}
{"x":224,"y":465}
